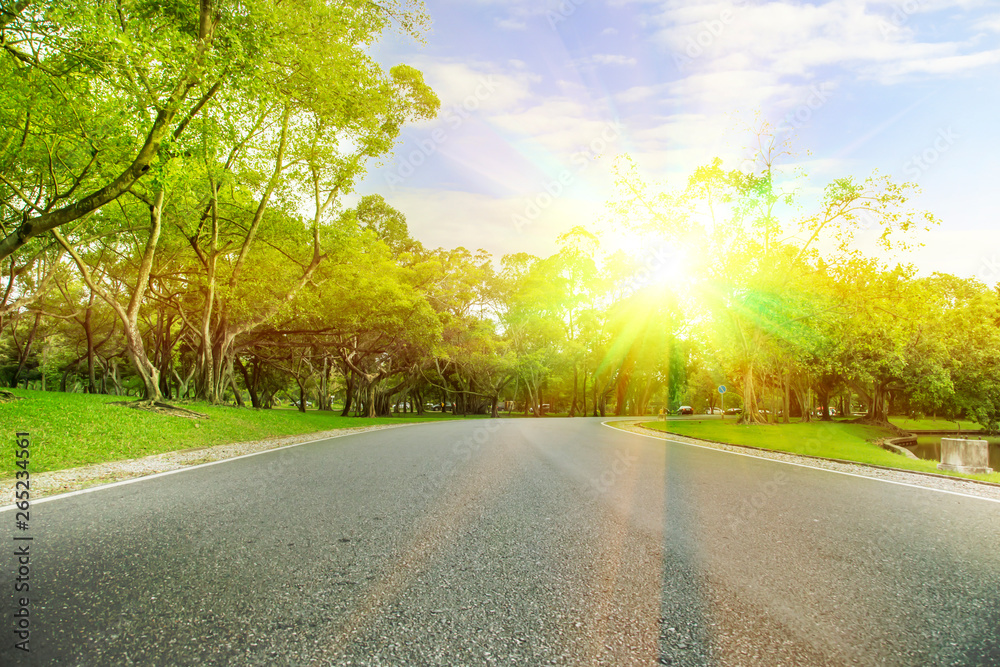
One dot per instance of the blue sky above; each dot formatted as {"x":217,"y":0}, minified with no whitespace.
{"x":538,"y":99}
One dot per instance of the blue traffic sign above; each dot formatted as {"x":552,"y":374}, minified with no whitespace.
{"x":722,"y":389}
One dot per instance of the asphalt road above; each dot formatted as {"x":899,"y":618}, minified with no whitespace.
{"x":517,"y":542}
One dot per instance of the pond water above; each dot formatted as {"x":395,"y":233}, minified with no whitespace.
{"x":929,"y":447}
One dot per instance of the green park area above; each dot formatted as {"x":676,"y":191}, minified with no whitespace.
{"x":934,"y":424}
{"x":210,"y":218}
{"x":69,"y":430}
{"x":842,"y":440}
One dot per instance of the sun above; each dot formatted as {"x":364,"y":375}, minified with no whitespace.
{"x":657,"y":262}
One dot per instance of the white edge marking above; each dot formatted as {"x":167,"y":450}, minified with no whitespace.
{"x":803,"y":465}
{"x":143,"y":478}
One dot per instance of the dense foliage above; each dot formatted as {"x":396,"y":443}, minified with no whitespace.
{"x":172,"y":226}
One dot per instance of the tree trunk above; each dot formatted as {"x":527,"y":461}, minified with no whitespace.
{"x":370,"y":408}
{"x":129,"y":315}
{"x":165,"y":353}
{"x":348,"y":393}
{"x":786,"y":404}
{"x":148,"y":373}
{"x":236,"y":391}
{"x":824,"y":403}
{"x":572,"y":407}
{"x":26,"y":351}
{"x":250,"y":385}
{"x":88,"y":329}
{"x":324,"y":386}
{"x":621,"y":389}
{"x":750,"y":413}
{"x":595,"y":394}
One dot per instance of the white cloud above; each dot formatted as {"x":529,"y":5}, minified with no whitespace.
{"x":989,"y":23}
{"x":477,"y":86}
{"x":799,"y":39}
{"x":560,"y":124}
{"x":963,"y":253}
{"x":511,"y":24}
{"x":637,"y":94}
{"x":453,"y":218}
{"x":608,"y":59}
{"x":944,"y":65}
{"x":730,"y":89}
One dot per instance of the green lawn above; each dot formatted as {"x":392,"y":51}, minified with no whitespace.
{"x":834,"y":440}
{"x":70,"y":430}
{"x":932,"y":424}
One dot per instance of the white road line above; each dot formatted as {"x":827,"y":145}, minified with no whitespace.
{"x":802,"y":465}
{"x":101,"y":487}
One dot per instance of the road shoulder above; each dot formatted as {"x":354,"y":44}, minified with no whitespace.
{"x":76,"y":479}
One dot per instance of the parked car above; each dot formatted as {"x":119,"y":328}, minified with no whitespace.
{"x":713,"y":411}
{"x":685,"y":410}
{"x":734,"y":411}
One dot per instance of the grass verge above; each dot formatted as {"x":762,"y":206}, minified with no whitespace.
{"x":932,"y":424}
{"x":833,"y":440}
{"x":70,"y":430}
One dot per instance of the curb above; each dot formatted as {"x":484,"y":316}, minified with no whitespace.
{"x":823,"y":458}
{"x":898,"y":445}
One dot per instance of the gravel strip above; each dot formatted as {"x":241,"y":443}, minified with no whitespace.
{"x":74,"y":479}
{"x":955,"y":485}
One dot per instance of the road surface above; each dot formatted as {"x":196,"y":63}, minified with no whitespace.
{"x":511,"y":542}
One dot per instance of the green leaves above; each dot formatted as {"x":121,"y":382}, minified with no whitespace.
{"x":100,"y":93}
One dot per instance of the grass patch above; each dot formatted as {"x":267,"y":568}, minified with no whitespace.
{"x":834,"y":440}
{"x":70,"y":430}
{"x":932,"y":424}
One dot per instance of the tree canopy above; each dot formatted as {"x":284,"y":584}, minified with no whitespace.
{"x":173,"y":225}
